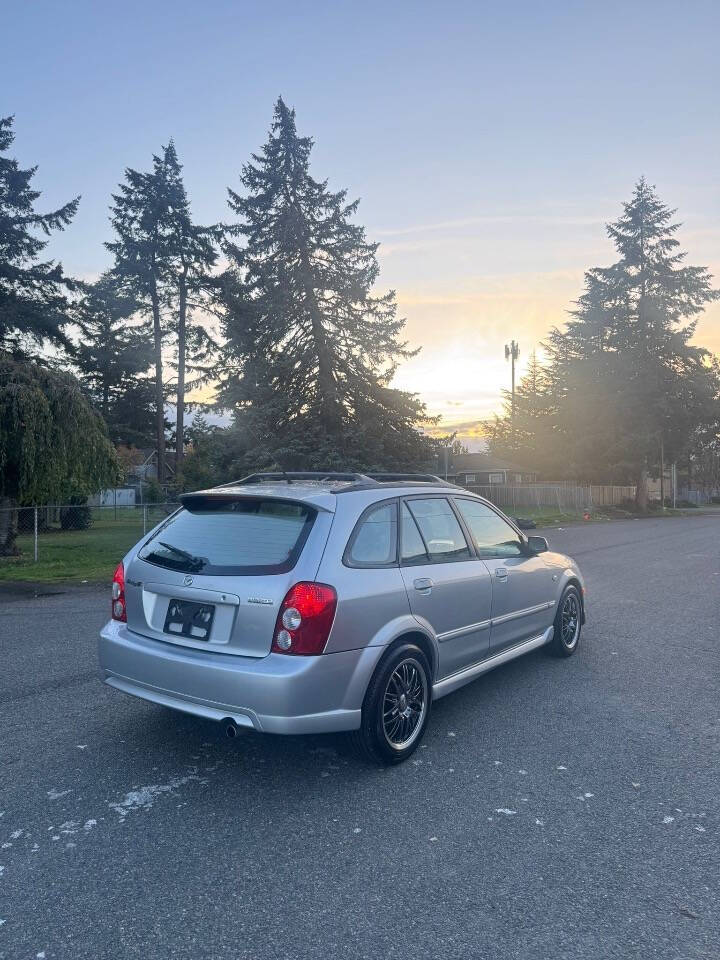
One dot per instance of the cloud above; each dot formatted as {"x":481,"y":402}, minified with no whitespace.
{"x":494,"y":219}
{"x":468,"y":428}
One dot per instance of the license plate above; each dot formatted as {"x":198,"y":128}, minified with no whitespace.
{"x":188,"y":619}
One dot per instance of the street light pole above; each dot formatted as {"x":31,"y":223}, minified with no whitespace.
{"x":512,"y":352}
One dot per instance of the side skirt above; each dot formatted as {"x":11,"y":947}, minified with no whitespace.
{"x":459,"y":679}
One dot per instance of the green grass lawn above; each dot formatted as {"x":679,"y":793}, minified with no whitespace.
{"x":76,"y":555}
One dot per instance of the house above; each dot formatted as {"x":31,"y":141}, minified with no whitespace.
{"x":141,"y":463}
{"x":114,"y":497}
{"x":483,"y":470}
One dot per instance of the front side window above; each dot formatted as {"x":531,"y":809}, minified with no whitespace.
{"x":413,"y":548}
{"x":231,"y":537}
{"x":437,"y":526}
{"x":374,"y":543}
{"x":493,"y":536}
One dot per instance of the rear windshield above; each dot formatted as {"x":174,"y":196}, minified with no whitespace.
{"x":232,"y":537}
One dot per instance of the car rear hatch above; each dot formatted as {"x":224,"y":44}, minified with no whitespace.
{"x":213,"y":576}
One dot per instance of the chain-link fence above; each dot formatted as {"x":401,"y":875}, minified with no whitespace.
{"x":72,"y":536}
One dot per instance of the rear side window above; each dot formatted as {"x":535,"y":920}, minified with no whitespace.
{"x":232,"y":537}
{"x":374,"y":541}
{"x":442,"y":536}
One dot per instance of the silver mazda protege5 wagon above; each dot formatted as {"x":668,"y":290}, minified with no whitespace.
{"x":310,"y":602}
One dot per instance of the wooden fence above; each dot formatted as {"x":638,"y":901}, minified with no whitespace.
{"x":604,"y":495}
{"x":565,"y":497}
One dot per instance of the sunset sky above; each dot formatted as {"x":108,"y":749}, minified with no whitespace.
{"x":489,"y":143}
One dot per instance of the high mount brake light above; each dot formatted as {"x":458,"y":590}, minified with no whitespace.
{"x":305,"y":618}
{"x":118,"y":610}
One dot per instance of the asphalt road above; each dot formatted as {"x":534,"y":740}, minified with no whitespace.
{"x":557,"y":809}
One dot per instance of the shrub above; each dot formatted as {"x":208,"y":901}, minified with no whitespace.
{"x":78,"y":516}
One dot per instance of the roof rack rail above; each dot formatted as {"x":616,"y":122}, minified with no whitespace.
{"x":291,"y":476}
{"x":405,"y":477}
{"x":348,"y":481}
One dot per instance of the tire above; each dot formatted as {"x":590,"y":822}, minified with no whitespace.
{"x":402,"y":683}
{"x":568,"y":623}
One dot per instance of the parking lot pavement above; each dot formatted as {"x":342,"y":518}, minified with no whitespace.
{"x":557,"y":809}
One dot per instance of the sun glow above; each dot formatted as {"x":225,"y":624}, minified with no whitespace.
{"x":461,"y":370}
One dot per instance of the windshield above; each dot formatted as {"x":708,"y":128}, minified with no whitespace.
{"x":238,"y":537}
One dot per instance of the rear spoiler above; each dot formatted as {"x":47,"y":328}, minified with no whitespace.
{"x":201,"y":499}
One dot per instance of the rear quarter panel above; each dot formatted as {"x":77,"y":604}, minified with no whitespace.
{"x":373,"y":607}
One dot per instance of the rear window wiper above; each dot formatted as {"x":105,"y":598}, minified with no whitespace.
{"x":196,"y":563}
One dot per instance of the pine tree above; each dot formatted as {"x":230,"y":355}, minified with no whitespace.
{"x":132,"y":413}
{"x":112,"y":354}
{"x":312,"y":351}
{"x":639,"y":387}
{"x":34,"y":298}
{"x":624,"y":387}
{"x":527,"y":442}
{"x":193,"y":255}
{"x":143,"y":265}
{"x":165,"y":260}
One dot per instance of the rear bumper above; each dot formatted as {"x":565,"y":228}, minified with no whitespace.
{"x":273,"y":694}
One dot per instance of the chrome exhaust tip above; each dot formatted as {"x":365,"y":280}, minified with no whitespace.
{"x":230,"y":729}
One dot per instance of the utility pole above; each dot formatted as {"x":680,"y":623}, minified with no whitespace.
{"x":674,"y":484}
{"x":662,"y":473}
{"x":512,"y":352}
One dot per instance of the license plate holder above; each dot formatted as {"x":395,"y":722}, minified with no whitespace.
{"x":189,"y":619}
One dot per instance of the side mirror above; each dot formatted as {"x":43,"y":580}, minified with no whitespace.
{"x":537,"y":545}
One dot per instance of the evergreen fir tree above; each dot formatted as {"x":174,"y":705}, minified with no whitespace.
{"x":311,"y":350}
{"x":529,"y":443}
{"x":624,"y":387}
{"x":112,"y":355}
{"x":638,"y":386}
{"x":34,"y":299}
{"x":143,"y":264}
{"x":165,"y":261}
{"x":193,"y":254}
{"x":132,"y":413}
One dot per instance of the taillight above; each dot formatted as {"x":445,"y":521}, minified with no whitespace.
{"x":118,"y":610}
{"x":305,"y":618}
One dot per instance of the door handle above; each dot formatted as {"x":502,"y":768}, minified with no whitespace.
{"x":424,"y":584}
{"x":501,"y":573}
